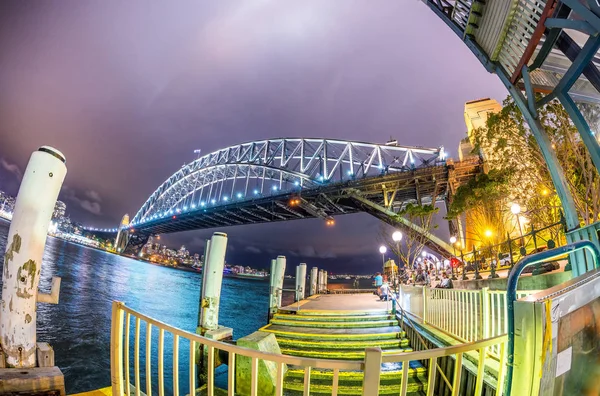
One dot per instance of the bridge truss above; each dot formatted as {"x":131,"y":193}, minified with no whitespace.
{"x":289,"y":179}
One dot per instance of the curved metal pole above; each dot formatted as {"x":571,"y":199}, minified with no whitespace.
{"x":511,"y":290}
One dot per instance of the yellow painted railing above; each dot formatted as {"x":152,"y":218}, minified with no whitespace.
{"x":467,"y":315}
{"x":132,"y":354}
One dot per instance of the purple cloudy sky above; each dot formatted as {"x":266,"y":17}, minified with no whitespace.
{"x":127,"y":90}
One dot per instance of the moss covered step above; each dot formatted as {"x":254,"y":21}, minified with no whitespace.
{"x":328,"y":325}
{"x":349,"y":345}
{"x":293,"y":387}
{"x":333,"y":318}
{"x":338,"y":354}
{"x":416,"y":372}
{"x":323,"y":334}
{"x":328,"y":312}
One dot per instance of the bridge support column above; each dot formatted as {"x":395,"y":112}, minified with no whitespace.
{"x":300,"y":281}
{"x":212,"y":280}
{"x":314,"y":273}
{"x":27,"y":235}
{"x":277,"y":276}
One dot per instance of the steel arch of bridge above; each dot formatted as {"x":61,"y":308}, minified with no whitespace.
{"x":277,"y":166}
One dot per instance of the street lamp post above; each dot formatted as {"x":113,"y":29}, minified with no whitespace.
{"x":397,"y":237}
{"x":516,"y":210}
{"x":382,"y":250}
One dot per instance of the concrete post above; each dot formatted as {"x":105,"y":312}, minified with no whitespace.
{"x":277,"y":275}
{"x":37,"y":196}
{"x":324,"y":281}
{"x":212,"y":278}
{"x":320,"y":282}
{"x":300,"y":281}
{"x":280,"y":270}
{"x":314,"y":272}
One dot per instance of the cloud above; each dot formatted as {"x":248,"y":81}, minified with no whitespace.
{"x":93,"y":195}
{"x":252,"y":249}
{"x":12,"y":168}
{"x":72,"y":196}
{"x":310,"y":251}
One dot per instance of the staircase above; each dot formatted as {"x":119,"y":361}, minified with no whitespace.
{"x":344,"y":336}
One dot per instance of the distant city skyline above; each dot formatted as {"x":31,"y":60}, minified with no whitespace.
{"x":129,"y":106}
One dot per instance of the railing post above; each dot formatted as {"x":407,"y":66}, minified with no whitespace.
{"x":116,"y":349}
{"x":485,"y":312}
{"x":425,"y":304}
{"x":372,"y":371}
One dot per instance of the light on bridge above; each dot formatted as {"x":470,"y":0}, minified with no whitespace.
{"x":193,"y":206}
{"x":350,"y":173}
{"x":202,"y":203}
{"x":330,"y":222}
{"x":255,"y":192}
{"x":212,"y":201}
{"x":225,"y":199}
{"x":321,"y":178}
{"x":296,"y":183}
{"x":185,"y":208}
{"x":239,"y":195}
{"x":274,"y":188}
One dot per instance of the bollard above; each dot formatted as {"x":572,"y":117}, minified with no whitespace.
{"x":276,"y":284}
{"x":280,"y":267}
{"x":324,"y":281}
{"x":300,"y":281}
{"x":272,"y":291}
{"x":37,"y":196}
{"x":320,"y":282}
{"x":212,"y":278}
{"x":314,"y":272}
{"x":208,"y":318}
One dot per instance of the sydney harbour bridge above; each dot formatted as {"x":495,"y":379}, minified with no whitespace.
{"x":291,"y":179}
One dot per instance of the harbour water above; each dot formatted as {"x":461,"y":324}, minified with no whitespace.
{"x":78,"y":327}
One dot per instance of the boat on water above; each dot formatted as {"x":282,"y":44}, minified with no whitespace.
{"x":258,"y":276}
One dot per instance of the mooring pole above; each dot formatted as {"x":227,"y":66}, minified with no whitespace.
{"x":212,"y":279}
{"x":35,"y":203}
{"x":300,"y":281}
{"x":277,"y":285}
{"x":314,"y":273}
{"x":324,"y":281}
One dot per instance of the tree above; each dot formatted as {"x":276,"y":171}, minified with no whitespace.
{"x":511,"y":151}
{"x":413,"y":241}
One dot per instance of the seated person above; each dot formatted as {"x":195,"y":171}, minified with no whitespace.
{"x":445,"y":283}
{"x":384,"y":291}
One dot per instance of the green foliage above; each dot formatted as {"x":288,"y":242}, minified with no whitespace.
{"x":418,"y":211}
{"x":482,"y":190}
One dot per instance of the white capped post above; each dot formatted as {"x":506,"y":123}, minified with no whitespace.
{"x":300,"y":281}
{"x":35,"y":203}
{"x":212,"y":279}
{"x":320,"y":282}
{"x":314,"y":273}
{"x":280,"y":272}
{"x":324,"y":281}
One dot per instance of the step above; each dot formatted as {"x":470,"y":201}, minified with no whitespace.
{"x":345,"y":325}
{"x":333,"y":318}
{"x":285,"y":342}
{"x":350,"y":382}
{"x":297,"y":387}
{"x":308,"y":333}
{"x":341,"y":354}
{"x":373,"y":312}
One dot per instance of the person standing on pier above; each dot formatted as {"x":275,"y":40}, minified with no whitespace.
{"x":378,"y":282}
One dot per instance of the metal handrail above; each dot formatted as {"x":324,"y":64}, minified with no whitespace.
{"x":120,"y":354}
{"x":513,"y":279}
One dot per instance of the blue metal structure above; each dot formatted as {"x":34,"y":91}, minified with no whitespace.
{"x":539,"y":46}
{"x":513,"y":280}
